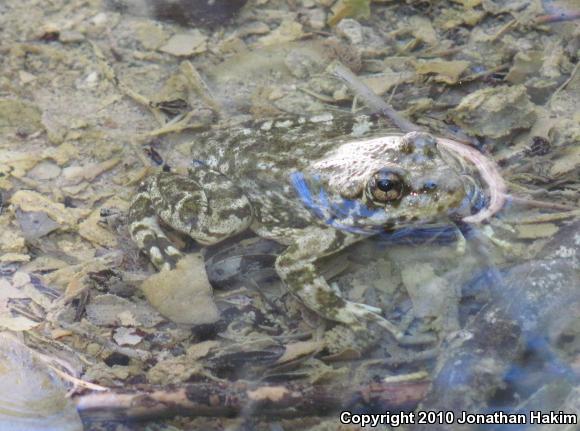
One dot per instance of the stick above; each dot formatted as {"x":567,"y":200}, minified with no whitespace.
{"x":374,"y":102}
{"x":557,"y":17}
{"x":233,"y":398}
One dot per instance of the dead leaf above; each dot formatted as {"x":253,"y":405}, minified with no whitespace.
{"x":533,"y":231}
{"x":28,"y":200}
{"x":443,"y":71}
{"x":286,"y":32}
{"x":300,"y":349}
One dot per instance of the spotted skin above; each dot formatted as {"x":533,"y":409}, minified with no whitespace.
{"x":307,"y":185}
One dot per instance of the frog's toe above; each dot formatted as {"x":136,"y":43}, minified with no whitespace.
{"x":148,"y":235}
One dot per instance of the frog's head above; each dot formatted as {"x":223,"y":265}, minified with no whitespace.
{"x":386,"y":183}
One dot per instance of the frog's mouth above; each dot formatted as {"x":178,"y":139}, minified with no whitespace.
{"x":475,"y":198}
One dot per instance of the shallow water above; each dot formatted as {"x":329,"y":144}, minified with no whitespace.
{"x":499,"y":300}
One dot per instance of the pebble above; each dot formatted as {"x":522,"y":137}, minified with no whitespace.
{"x":186,"y":44}
{"x":184,"y":294}
{"x":45,"y":170}
{"x":351,"y":30}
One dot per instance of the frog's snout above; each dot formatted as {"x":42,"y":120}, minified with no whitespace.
{"x":419,"y":144}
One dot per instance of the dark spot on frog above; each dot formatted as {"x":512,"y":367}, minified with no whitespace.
{"x":330,"y":301}
{"x":429,"y":187}
{"x":407,"y":147}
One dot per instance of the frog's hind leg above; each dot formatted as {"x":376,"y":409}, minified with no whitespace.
{"x":205,"y":205}
{"x":296,"y":267}
{"x":147,"y":233}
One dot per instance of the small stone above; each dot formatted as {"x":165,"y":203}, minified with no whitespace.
{"x":28,"y":200}
{"x":288,"y":31}
{"x":539,"y":230}
{"x":25,"y":77}
{"x":20,"y":115}
{"x":447,"y":72}
{"x":69,"y":36}
{"x":316,"y":18}
{"x":126,"y":337}
{"x":20,"y":279}
{"x":495,"y":112}
{"x":100,"y":19}
{"x":45,"y":170}
{"x":151,"y":35}
{"x":35,"y":224}
{"x":14,"y":257}
{"x":183,"y":294}
{"x":351,"y":30}
{"x":186,"y":44}
{"x":111,"y":310}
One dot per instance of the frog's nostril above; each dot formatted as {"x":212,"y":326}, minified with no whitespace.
{"x":429,"y":186}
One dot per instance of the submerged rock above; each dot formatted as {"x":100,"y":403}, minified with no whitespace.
{"x":495,"y":112}
{"x":36,"y":397}
{"x":183,"y":294}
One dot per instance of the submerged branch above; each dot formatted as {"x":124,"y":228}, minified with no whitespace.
{"x":235,"y":398}
{"x":374,"y":102}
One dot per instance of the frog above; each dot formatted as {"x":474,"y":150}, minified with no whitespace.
{"x":314,"y":185}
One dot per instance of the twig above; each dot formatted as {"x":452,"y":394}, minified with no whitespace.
{"x":430,"y":53}
{"x":541,"y":204}
{"x":374,"y":102}
{"x":504,"y":30}
{"x":226,"y":399}
{"x":199,"y":86}
{"x":78,"y":383}
{"x":564,"y":84}
{"x":557,"y":17}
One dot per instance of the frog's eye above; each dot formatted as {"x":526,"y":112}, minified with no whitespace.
{"x":386,"y":186}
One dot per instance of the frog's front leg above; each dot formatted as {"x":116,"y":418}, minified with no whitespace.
{"x":147,"y":234}
{"x":296,"y":267}
{"x":205,"y":205}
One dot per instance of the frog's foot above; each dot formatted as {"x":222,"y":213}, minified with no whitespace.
{"x":296,"y":267}
{"x":205,"y":205}
{"x":147,"y":233}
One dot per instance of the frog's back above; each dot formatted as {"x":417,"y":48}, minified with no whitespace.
{"x":260,"y":157}
{"x":277,"y":147}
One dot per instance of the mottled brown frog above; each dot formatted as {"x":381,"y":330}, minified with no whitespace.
{"x":315,"y":185}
